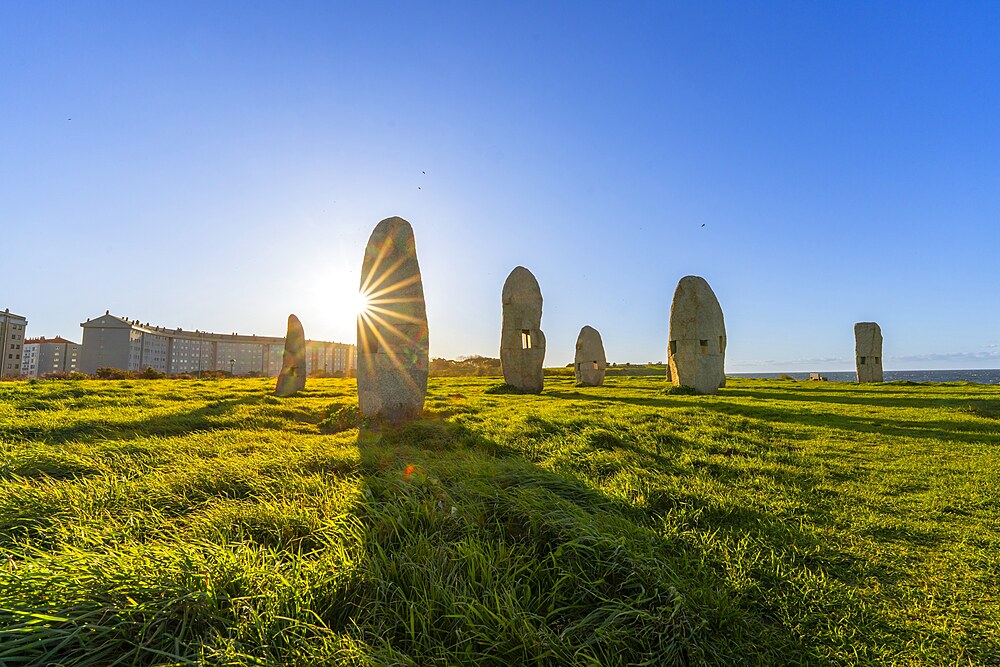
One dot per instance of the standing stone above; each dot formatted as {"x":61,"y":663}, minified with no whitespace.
{"x":292,"y":378}
{"x":590,"y":360}
{"x":868,"y":351}
{"x":392,"y":330}
{"x":697,"y":351}
{"x":522,"y":343}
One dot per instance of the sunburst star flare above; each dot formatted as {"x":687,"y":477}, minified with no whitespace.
{"x":392,"y":327}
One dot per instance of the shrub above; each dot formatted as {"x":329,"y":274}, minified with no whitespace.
{"x":680,"y":390}
{"x":343,"y":418}
{"x":64,"y":375}
{"x":114,"y":374}
{"x":504,"y":388}
{"x":326,"y":374}
{"x":215,"y":375}
{"x":464,"y":366}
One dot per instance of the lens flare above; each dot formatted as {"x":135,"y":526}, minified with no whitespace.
{"x":360,"y":303}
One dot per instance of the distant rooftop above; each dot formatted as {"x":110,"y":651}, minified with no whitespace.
{"x":42,"y":339}
{"x":196,"y":334}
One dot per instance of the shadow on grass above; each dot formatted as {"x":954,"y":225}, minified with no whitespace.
{"x":934,"y":429}
{"x":215,"y":415}
{"x":937,"y":430}
{"x":879,"y":398}
{"x":468,"y":552}
{"x":523,"y":561}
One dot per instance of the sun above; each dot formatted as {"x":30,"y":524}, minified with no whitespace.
{"x":359,"y":303}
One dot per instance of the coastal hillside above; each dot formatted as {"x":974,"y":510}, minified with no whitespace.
{"x":779,"y":522}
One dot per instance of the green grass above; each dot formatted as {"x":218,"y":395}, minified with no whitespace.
{"x":188,"y":522}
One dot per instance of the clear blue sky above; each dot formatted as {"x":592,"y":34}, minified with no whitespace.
{"x":217,"y":165}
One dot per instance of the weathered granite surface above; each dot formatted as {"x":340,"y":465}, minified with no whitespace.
{"x":591,"y":363}
{"x":392,"y":332}
{"x":292,"y":378}
{"x":522,"y":343}
{"x":868,"y":351}
{"x":697,"y":348}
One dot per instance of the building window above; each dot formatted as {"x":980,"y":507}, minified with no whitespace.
{"x":525,"y":339}
{"x":861,"y":361}
{"x":704,"y":346}
{"x":673,"y":347}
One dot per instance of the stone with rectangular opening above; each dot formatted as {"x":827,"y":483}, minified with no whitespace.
{"x":868,"y":351}
{"x":696,"y":319}
{"x":522,"y":342}
{"x":591,"y":363}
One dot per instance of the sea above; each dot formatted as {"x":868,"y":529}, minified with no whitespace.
{"x":981,"y":376}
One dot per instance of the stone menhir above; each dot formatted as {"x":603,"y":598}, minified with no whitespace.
{"x":868,"y":351}
{"x":292,"y":378}
{"x":392,"y":329}
{"x":522,"y":343}
{"x":590,"y":360}
{"x":697,"y":351}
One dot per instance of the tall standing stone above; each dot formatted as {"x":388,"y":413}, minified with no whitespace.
{"x":292,"y":378}
{"x":868,"y":351}
{"x":392,"y":331}
{"x":591,"y":363}
{"x":697,"y":350}
{"x":522,"y":343}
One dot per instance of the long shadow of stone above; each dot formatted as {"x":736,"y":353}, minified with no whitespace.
{"x":796,"y":473}
{"x":931,"y":429}
{"x":413,"y":482}
{"x":628,"y":400}
{"x":881,"y":398}
{"x":212,"y":416}
{"x":936,"y":429}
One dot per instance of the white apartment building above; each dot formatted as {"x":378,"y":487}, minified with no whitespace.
{"x":115,"y":342}
{"x":49,"y":355}
{"x":12,"y":329}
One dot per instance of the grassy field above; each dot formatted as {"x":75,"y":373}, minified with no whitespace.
{"x":178,"y":522}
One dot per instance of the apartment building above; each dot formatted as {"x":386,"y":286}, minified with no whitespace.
{"x":110,"y":341}
{"x":49,"y":355}
{"x":12,"y":329}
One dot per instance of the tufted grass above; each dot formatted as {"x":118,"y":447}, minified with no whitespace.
{"x":207,"y":522}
